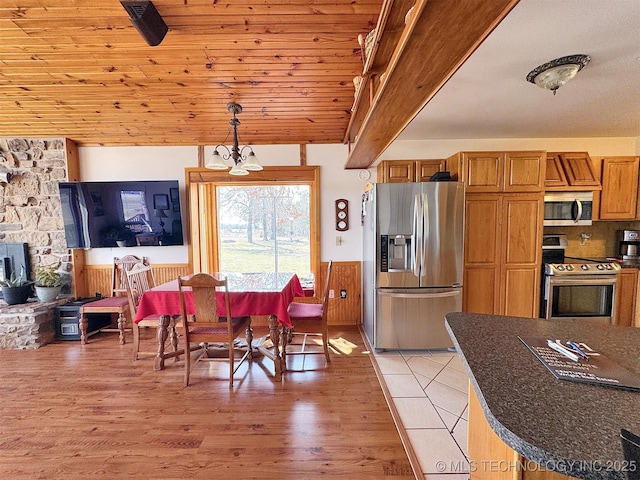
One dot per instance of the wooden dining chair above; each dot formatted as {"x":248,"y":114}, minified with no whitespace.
{"x":117,"y":303}
{"x":309,"y":320}
{"x":140,"y":279}
{"x":205,"y":326}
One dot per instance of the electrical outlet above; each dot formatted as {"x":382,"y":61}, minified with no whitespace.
{"x":343,"y":293}
{"x":332,"y":293}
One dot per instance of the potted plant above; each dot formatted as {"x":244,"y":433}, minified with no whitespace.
{"x":48,"y":283}
{"x":16,"y":288}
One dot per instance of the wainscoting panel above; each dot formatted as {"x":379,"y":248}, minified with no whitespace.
{"x":345,"y":276}
{"x":98,"y":277}
{"x":342,"y":311}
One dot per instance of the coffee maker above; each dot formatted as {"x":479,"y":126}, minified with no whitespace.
{"x":629,"y":244}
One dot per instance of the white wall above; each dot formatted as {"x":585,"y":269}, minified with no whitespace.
{"x":168,"y":163}
{"x":335,"y":183}
{"x":103,"y":164}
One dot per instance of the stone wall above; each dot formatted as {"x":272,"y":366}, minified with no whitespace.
{"x":30,"y":325}
{"x":30,"y":209}
{"x":30,"y":212}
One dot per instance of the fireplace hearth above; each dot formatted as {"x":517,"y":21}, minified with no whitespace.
{"x":29,"y":325}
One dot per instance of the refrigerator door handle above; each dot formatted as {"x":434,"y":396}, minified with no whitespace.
{"x":417,"y":237}
{"x":425,"y":232}
{"x":451,"y":293}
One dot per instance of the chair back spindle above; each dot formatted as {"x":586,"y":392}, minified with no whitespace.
{"x":139,"y":279}
{"x":121,"y":265}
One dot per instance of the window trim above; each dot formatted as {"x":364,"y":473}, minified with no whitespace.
{"x":201,"y":203}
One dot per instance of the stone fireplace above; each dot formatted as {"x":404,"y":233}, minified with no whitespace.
{"x":31,"y":213}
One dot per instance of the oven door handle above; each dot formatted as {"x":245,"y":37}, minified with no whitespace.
{"x":583,"y":280}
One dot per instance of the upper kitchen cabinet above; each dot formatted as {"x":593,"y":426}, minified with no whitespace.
{"x":570,"y":171}
{"x":619,"y":196}
{"x":403,"y":171}
{"x":493,"y":172}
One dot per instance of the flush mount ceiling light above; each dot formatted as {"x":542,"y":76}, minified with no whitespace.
{"x":243,"y":163}
{"x":552,"y":75}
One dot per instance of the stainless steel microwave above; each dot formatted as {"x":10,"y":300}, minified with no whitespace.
{"x":567,"y":209}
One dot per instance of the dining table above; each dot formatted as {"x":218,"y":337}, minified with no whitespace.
{"x":250,"y":293}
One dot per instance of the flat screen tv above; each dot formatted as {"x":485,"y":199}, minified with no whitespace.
{"x":121,"y":214}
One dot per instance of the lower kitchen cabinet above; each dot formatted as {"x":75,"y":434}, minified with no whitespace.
{"x":626,"y":292}
{"x":503,"y":249}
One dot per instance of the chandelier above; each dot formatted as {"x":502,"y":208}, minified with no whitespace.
{"x":243,"y":162}
{"x":552,"y":75}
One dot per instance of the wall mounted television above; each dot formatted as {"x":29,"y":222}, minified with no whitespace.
{"x":121,"y":214}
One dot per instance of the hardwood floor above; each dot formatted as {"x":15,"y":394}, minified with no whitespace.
{"x":71,"y":411}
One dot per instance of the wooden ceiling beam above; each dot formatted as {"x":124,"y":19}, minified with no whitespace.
{"x":435,"y":43}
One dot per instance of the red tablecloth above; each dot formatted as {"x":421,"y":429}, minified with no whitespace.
{"x":249,"y":294}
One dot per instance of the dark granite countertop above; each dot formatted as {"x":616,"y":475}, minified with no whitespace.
{"x":630,"y":264}
{"x":552,"y":422}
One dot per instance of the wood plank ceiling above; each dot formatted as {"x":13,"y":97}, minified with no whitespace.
{"x":79,"y":69}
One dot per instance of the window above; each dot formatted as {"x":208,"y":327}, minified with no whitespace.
{"x":222,"y":208}
{"x":264,"y":228}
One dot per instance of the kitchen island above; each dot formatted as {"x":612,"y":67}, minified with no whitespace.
{"x":520,"y":415}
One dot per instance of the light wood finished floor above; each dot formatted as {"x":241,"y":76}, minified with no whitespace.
{"x":70,"y":411}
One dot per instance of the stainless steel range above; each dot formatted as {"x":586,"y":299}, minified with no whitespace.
{"x":578,"y":288}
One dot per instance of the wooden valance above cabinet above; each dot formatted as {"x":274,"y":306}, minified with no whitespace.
{"x":572,"y":171}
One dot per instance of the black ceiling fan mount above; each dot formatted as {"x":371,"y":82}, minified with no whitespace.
{"x":147,"y":20}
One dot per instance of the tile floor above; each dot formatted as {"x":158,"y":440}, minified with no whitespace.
{"x":429,"y":393}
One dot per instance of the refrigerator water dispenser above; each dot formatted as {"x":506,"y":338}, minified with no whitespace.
{"x":395,"y":253}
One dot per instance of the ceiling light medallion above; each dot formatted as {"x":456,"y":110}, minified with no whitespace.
{"x":552,"y":75}
{"x":243,"y":163}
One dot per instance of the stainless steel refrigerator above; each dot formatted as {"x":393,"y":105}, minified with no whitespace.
{"x":412,"y":263}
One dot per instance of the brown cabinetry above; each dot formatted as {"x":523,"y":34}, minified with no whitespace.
{"x":482,"y":254}
{"x":626,"y":291}
{"x":570,"y":171}
{"x":503,"y":235}
{"x":403,"y":171}
{"x":500,"y":171}
{"x":619,"y":196}
{"x":503,"y":230}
